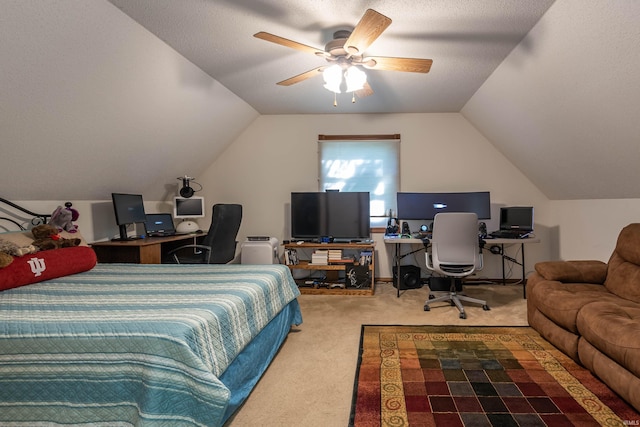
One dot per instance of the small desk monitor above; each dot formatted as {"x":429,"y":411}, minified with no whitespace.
{"x":129,"y":209}
{"x":186,"y":209}
{"x":516,"y":218}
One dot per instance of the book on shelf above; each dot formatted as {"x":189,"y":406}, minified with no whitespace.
{"x":342,"y":261}
{"x":291,"y":257}
{"x":366,"y":257}
{"x":320,"y":256}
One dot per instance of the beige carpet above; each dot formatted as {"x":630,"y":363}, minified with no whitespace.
{"x":310,"y":382}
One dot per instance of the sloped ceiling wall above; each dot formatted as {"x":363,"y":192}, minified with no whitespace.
{"x":91,"y":102}
{"x":564,"y":105}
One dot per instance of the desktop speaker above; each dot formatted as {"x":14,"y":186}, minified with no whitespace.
{"x":405,"y":228}
{"x":409,"y":277}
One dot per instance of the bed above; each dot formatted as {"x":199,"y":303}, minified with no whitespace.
{"x":128,"y":344}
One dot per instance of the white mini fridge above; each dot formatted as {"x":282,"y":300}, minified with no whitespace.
{"x":259,"y":250}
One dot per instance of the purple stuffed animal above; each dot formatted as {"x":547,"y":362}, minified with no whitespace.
{"x":62,"y":218}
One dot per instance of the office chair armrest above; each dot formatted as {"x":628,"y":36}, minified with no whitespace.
{"x":174,"y":252}
{"x":573,"y":271}
{"x":428,"y":261}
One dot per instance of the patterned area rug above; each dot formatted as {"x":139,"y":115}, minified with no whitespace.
{"x":475,"y":376}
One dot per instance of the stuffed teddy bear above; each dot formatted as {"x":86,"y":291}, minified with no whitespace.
{"x":9,"y":250}
{"x":5,"y":260}
{"x":47,"y":237}
{"x":62,"y":218}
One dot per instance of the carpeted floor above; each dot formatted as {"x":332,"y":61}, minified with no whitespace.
{"x":475,"y":376}
{"x":310,"y":382}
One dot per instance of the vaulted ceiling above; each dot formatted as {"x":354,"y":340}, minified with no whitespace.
{"x":467,"y":40}
{"x":92,"y":86}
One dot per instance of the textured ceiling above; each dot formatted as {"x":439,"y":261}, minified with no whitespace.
{"x":467,"y":40}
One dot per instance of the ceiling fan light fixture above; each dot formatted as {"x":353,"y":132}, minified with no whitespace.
{"x":355,"y":78}
{"x":333,"y":78}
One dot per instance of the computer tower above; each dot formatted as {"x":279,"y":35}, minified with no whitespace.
{"x":409,"y":277}
{"x":259,"y":250}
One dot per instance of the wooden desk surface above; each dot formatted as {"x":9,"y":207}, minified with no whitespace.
{"x":147,"y":240}
{"x":150,"y":250}
{"x":412,"y":240}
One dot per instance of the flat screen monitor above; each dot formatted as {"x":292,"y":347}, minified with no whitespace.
{"x":187,"y":208}
{"x":343,"y":216}
{"x":129,"y":209}
{"x":516,"y":218}
{"x":425,"y":206}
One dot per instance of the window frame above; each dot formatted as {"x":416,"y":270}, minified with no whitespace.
{"x":379,"y":225}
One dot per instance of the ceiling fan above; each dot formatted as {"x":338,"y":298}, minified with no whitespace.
{"x":347,"y":50}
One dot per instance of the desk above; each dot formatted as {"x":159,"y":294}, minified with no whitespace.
{"x":398,"y":241}
{"x":142,"y":251}
{"x":521,"y":242}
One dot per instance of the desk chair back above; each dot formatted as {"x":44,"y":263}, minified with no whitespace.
{"x":221,"y":238}
{"x":455,"y":253}
{"x":454,"y":244}
{"x":219,"y":245}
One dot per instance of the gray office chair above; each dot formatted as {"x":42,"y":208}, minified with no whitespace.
{"x":219,"y":245}
{"x":455,"y":254}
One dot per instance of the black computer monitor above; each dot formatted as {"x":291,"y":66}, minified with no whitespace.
{"x":340,"y":215}
{"x":129,"y":209}
{"x":425,"y":206}
{"x":516,"y":218}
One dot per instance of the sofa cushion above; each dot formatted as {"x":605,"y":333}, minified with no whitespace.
{"x":623,"y":274}
{"x":613,"y":329}
{"x":573,"y":271}
{"x":561,"y":302}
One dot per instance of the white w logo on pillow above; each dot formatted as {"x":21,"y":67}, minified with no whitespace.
{"x":37,"y":266}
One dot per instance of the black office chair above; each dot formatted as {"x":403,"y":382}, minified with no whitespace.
{"x":219,"y":245}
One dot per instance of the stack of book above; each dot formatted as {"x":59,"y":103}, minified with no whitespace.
{"x":335,"y":255}
{"x":320,"y":257}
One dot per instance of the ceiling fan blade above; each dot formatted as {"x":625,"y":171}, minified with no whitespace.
{"x":371,"y":25}
{"x":300,"y":77}
{"x":288,"y":43}
{"x":411,"y":65}
{"x":365,"y":91}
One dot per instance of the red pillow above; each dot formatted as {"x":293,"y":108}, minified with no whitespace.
{"x":46,"y":265}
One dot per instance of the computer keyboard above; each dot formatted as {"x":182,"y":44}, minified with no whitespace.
{"x":510,"y":234}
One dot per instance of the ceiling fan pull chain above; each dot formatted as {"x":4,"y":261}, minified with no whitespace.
{"x":353,"y":97}
{"x":335,"y":99}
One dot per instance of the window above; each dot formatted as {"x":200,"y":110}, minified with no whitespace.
{"x":362,"y":163}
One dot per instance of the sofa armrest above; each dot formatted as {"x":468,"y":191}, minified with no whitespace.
{"x":573,"y":271}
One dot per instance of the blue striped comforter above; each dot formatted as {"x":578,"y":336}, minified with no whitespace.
{"x":132,"y":344}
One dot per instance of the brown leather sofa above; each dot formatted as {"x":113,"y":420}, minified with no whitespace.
{"x":590,"y":310}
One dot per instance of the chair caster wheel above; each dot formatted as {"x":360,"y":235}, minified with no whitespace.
{"x":427,"y":308}
{"x":463,"y":315}
{"x":486,"y":307}
{"x":431,"y":296}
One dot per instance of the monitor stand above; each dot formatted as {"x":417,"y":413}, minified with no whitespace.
{"x":123,"y":235}
{"x":187,"y":227}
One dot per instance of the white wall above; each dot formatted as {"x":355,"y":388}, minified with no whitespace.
{"x":91,"y":102}
{"x":588,"y":229}
{"x":439,"y":152}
